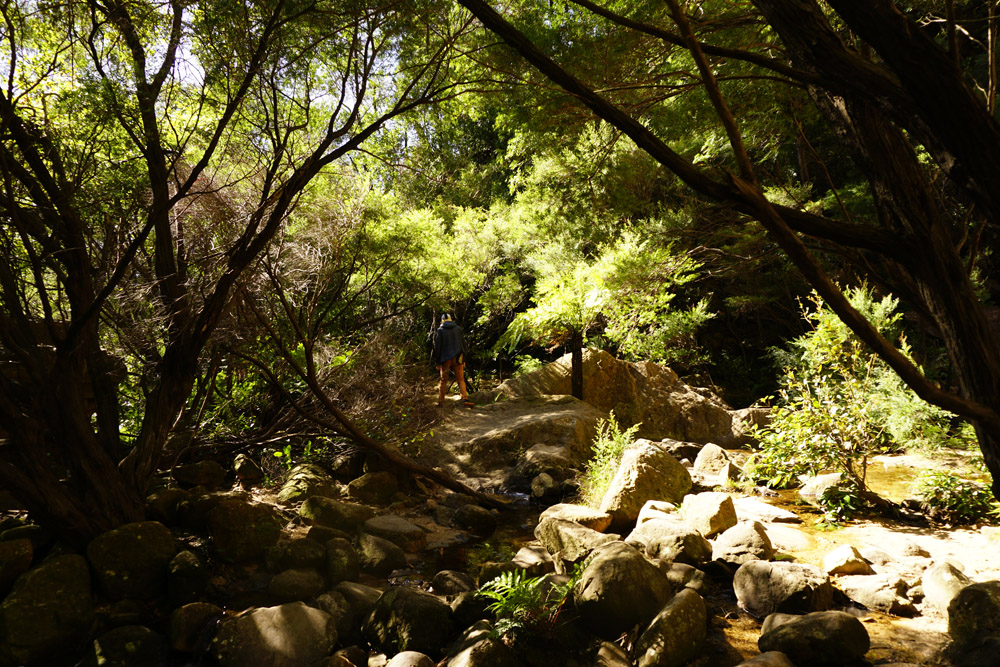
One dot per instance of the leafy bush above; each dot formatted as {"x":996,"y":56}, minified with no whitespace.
{"x":952,"y":499}
{"x":841,"y":503}
{"x":525,"y":606}
{"x":609,"y":445}
{"x":839,"y":404}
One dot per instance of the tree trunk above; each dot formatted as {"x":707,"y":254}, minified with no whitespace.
{"x":576,"y":369}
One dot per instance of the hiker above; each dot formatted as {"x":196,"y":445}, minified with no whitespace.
{"x":449,"y":355}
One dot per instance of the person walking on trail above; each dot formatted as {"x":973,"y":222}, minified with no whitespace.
{"x":449,"y":355}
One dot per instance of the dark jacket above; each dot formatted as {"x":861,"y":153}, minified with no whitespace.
{"x":448,"y":343}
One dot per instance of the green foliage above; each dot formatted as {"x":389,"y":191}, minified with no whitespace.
{"x":955,"y":500}
{"x":840,"y":503}
{"x":526,"y":607}
{"x":525,"y":364}
{"x":609,"y":445}
{"x":839,"y":404}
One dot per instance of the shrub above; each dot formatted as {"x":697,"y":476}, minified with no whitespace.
{"x":525,"y":606}
{"x":951,"y":499}
{"x":609,"y":445}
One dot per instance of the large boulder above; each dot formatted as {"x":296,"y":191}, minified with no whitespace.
{"x":823,"y":638}
{"x":846,"y":559}
{"x":646,"y":472}
{"x":881,"y":592}
{"x":374,"y":488}
{"x":643,"y":393}
{"x":941,"y":582}
{"x":297,"y":552}
{"x":676,"y":635}
{"x":289,"y":635}
{"x":406,"y":535}
{"x":709,"y":513}
{"x":48,"y":614}
{"x":305,"y":481}
{"x":132,"y":561}
{"x":242,"y":531}
{"x":405,"y":619}
{"x":618,"y":590}
{"x":974,"y":614}
{"x":744,"y":542}
{"x":379,"y":556}
{"x":670,"y":540}
{"x":347,"y":517}
{"x":295,"y":584}
{"x":585,"y":516}
{"x":568,"y":542}
{"x":814,"y":488}
{"x":342,"y":561}
{"x":711,"y":459}
{"x":763,"y":588}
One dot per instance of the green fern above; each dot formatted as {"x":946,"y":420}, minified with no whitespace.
{"x":525,"y":605}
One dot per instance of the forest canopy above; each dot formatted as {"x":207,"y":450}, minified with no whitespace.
{"x":219,"y":218}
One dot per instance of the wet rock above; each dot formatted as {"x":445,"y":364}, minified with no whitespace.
{"x":880,"y":592}
{"x":187,"y":578}
{"x":569,"y":542}
{"x":289,"y":635}
{"x":408,"y":536}
{"x":477,"y":520}
{"x":305,"y":481}
{"x":342,"y":561}
{"x":15,"y":559}
{"x":670,"y":540}
{"x":743,"y":542}
{"x":242,"y":531}
{"x":677,"y":633}
{"x":711,"y":459}
{"x":452,"y":582}
{"x":130,"y":646}
{"x":709,"y":513}
{"x":131,"y":561}
{"x":379,"y":556}
{"x":373,"y":488}
{"x":192,"y":626}
{"x":941,"y":583}
{"x":618,"y":590}
{"x":405,"y":619}
{"x":296,"y":584}
{"x":208,"y":474}
{"x":479,"y":647}
{"x":646,"y":472}
{"x":823,"y":638}
{"x":347,"y":517}
{"x":846,"y":559}
{"x":48,"y":614}
{"x":763,"y":588}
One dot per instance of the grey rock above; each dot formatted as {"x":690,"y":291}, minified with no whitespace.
{"x":545,"y":488}
{"x":475,"y":519}
{"x":754,"y":509}
{"x":824,"y":638}
{"x":769,"y":659}
{"x":305,"y":481}
{"x":941,"y":583}
{"x":646,"y":472}
{"x":610,"y":654}
{"x":535,"y":560}
{"x":585,"y":516}
{"x":298,"y":553}
{"x":209,"y":474}
{"x":411,"y":659}
{"x":379,"y":556}
{"x":192,"y":626}
{"x":658,"y":509}
{"x":452,"y":582}
{"x":670,"y":540}
{"x":347,"y":517}
{"x":763,"y":588}
{"x":709,"y":513}
{"x":130,"y":646}
{"x":618,"y":590}
{"x":242,"y":531}
{"x":187,"y":578}
{"x":814,"y":487}
{"x":881,"y":592}
{"x":846,"y":559}
{"x":405,"y":619}
{"x":569,"y":542}
{"x":131,"y":561}
{"x":711,"y":459}
{"x":974,"y":613}
{"x":743,"y":542}
{"x":296,"y":584}
{"x":479,"y":647}
{"x":247,"y":470}
{"x":408,"y":536}
{"x":48,"y":614}
{"x":342,"y":561}
{"x":374,"y":488}
{"x":677,"y":633}
{"x":289,"y":635}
